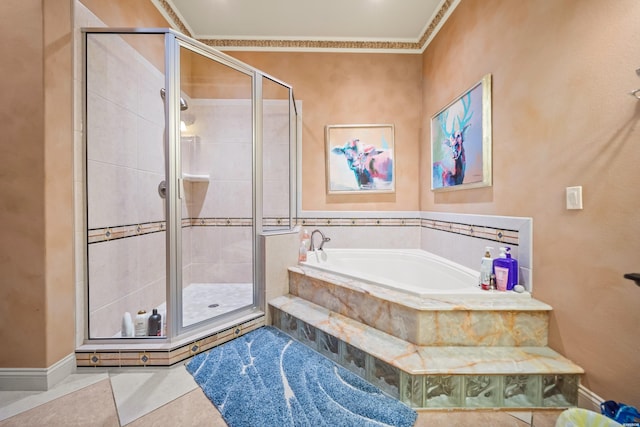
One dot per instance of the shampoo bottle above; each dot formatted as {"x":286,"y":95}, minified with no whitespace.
{"x":486,"y":268}
{"x":155,"y":324}
{"x":140,"y":326}
{"x":127,"y":325}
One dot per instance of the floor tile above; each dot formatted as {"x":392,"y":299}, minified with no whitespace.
{"x":90,"y":406}
{"x":546,"y":418}
{"x":143,"y":391}
{"x":467,"y":419}
{"x":16,"y":402}
{"x":192,"y":409}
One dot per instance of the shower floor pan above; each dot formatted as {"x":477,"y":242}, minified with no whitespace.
{"x":202,"y":301}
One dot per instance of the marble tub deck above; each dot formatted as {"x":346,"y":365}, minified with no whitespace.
{"x":486,"y":319}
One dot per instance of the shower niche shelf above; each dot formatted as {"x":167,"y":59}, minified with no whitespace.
{"x":195,"y":177}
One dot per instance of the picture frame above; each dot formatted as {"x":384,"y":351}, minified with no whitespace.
{"x":360,"y":159}
{"x":461,"y":141}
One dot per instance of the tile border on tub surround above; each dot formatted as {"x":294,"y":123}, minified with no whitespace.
{"x":522,"y":226}
{"x":507,"y":230}
{"x":500,"y":235}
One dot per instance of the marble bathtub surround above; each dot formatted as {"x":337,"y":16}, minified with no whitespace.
{"x":417,"y":359}
{"x":497,"y":319}
{"x":431,"y":351}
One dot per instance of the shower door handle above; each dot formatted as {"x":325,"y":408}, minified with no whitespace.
{"x":162,"y":189}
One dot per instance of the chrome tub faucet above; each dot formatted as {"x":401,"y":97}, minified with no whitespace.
{"x":312,"y":246}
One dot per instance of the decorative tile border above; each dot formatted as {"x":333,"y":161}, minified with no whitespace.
{"x":276,"y":222}
{"x":217,"y":222}
{"x":479,"y":231}
{"x":359,"y":222}
{"x":97,"y":235}
{"x":500,"y":235}
{"x":127,"y":358}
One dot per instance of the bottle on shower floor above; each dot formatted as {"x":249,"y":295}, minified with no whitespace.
{"x":140,"y":326}
{"x":155,"y":324}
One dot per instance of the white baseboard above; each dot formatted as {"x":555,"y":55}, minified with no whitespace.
{"x":588,"y":399}
{"x":37,"y":379}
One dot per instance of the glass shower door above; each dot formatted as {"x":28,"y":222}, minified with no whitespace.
{"x":216,"y":164}
{"x":125,"y":163}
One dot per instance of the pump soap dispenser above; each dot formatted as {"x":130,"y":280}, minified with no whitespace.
{"x":506,"y":269}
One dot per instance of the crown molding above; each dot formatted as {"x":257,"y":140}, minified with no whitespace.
{"x":432,"y":27}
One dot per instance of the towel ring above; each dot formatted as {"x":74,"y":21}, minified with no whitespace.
{"x":635,"y":93}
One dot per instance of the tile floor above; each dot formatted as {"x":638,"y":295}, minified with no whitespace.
{"x":170,"y":397}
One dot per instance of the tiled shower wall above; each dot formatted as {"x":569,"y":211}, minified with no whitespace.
{"x":217,"y":246}
{"x":219,"y":209}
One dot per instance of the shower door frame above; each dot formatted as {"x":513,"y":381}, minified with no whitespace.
{"x":174,"y":41}
{"x":176,"y":333}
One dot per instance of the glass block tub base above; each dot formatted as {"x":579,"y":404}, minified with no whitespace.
{"x":433,"y":377}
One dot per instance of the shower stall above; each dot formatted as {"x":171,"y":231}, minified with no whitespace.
{"x":189,"y":158}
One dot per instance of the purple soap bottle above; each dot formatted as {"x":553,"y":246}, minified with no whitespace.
{"x":507,"y":268}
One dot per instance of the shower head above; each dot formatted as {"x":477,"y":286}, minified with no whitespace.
{"x":183,"y":103}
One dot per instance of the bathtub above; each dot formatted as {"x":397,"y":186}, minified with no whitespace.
{"x":412,"y":271}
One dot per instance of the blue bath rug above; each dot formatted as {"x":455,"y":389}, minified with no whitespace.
{"x":267,"y":379}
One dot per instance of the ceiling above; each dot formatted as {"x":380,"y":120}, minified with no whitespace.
{"x":397,"y":25}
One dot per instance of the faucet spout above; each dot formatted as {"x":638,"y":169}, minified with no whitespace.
{"x":324,"y":239}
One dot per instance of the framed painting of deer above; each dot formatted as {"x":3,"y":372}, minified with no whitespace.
{"x":461,"y":140}
{"x":360,"y":159}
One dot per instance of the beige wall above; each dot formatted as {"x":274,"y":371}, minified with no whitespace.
{"x":36,"y":251}
{"x":351,"y":88}
{"x":561,"y":117}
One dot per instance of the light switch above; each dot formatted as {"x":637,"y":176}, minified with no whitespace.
{"x":574,"y":197}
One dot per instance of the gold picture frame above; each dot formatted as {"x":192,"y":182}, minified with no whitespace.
{"x":360,"y":159}
{"x":461,"y":141}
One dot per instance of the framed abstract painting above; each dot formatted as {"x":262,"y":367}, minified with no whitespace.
{"x":461,"y":140}
{"x":360,"y":159}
